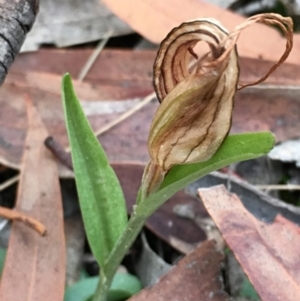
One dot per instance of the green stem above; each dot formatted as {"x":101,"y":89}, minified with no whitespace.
{"x":102,"y":290}
{"x":132,"y":230}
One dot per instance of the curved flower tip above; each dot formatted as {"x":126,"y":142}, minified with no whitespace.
{"x":195,"y":113}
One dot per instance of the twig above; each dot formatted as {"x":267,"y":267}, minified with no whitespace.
{"x":278,"y":187}
{"x":9,"y":182}
{"x":18,"y":216}
{"x":273,"y":87}
{"x":91,"y":60}
{"x":125,"y":115}
{"x":59,"y":152}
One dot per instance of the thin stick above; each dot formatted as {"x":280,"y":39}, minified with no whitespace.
{"x":91,"y":60}
{"x":127,"y":114}
{"x":273,"y":87}
{"x":9,"y":182}
{"x":278,"y":187}
{"x":59,"y":152}
{"x":122,"y":117}
{"x":18,"y":216}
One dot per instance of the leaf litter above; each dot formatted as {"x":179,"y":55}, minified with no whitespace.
{"x":195,"y":277}
{"x":36,"y":262}
{"x":168,"y":14}
{"x":267,"y":108}
{"x":268,"y":253}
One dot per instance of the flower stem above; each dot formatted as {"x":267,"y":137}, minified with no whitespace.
{"x":102,"y":288}
{"x":152,"y":178}
{"x":117,"y":254}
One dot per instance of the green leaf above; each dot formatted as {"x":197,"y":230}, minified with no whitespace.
{"x":101,"y":198}
{"x":124,"y":285}
{"x":247,"y":290}
{"x":2,"y":259}
{"x":235,"y":148}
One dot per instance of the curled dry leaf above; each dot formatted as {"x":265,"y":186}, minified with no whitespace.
{"x":197,"y":99}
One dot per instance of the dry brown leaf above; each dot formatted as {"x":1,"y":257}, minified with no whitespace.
{"x":268,"y":253}
{"x":154,"y":19}
{"x":195,"y":277}
{"x":35,"y":266}
{"x":133,"y":69}
{"x":45,"y":92}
